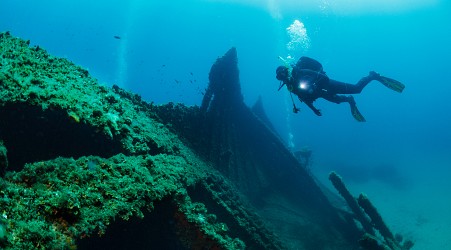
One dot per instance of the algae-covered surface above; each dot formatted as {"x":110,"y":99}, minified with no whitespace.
{"x":51,"y":203}
{"x":32,"y":77}
{"x":76,"y":158}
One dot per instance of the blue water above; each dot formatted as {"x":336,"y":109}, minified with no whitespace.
{"x":166,"y":49}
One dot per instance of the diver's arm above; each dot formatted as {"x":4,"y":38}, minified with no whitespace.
{"x":315,"y":110}
{"x":310,"y":105}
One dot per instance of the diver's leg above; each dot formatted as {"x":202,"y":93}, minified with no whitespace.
{"x":347,"y":88}
{"x":349,"y":99}
{"x":339,"y":98}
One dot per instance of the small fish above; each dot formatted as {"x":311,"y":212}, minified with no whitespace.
{"x":117,"y":37}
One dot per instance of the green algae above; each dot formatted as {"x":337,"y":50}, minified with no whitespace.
{"x":30,"y":75}
{"x":74,"y":198}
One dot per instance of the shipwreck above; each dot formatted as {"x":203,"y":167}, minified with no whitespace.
{"x":86,"y":166}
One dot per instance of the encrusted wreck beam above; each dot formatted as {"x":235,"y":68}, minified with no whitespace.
{"x":364,"y":211}
{"x":351,"y":201}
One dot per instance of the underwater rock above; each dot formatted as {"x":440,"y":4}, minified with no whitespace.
{"x":86,"y":163}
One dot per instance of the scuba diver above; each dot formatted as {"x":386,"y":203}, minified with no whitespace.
{"x":309,"y":82}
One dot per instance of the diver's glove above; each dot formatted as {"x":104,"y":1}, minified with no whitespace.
{"x":317,"y":112}
{"x":296,"y":110}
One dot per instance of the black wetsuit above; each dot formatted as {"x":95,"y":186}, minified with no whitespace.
{"x":309,"y":82}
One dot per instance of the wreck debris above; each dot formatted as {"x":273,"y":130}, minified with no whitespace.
{"x":241,"y":146}
{"x":370,"y":219}
{"x":350,"y":200}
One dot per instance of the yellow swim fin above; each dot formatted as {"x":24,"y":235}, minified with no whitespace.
{"x":392,"y":84}
{"x":356,"y":114}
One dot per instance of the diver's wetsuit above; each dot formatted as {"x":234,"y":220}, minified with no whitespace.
{"x":347,"y":88}
{"x":336,"y":87}
{"x":309,"y":82}
{"x":320,"y":86}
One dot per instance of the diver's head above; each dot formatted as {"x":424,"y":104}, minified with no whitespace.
{"x":282,"y":73}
